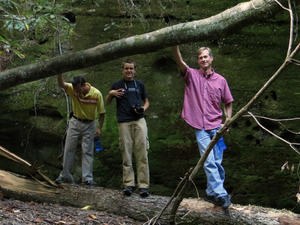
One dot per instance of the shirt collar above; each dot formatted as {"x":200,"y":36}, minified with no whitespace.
{"x":208,"y":76}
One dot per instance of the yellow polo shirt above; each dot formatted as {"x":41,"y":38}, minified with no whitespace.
{"x":87,"y":106}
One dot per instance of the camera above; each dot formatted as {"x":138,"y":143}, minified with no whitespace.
{"x":137,"y":108}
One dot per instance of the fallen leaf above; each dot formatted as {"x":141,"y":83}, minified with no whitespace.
{"x":87,"y":207}
{"x":92,"y":216}
{"x":39,"y":220}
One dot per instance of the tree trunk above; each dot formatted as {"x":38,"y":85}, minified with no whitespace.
{"x":211,"y":28}
{"x":191,"y":211}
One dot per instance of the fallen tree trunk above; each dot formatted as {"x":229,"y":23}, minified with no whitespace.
{"x":211,"y":28}
{"x":191,"y":211}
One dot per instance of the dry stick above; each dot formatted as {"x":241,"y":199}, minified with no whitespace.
{"x":296,"y":62}
{"x":4,"y":152}
{"x":270,"y":132}
{"x":275,"y":120}
{"x":228,"y":123}
{"x":292,"y":29}
{"x":175,"y":193}
{"x":177,"y":202}
{"x":279,"y":121}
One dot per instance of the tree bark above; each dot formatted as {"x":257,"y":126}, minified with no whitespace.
{"x":211,"y":28}
{"x":191,"y":211}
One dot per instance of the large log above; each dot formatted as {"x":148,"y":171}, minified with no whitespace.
{"x":191,"y":211}
{"x":209,"y":28}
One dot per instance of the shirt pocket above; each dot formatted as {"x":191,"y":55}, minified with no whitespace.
{"x":214,"y":96}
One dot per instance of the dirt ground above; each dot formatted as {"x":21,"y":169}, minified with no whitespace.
{"x":15,"y":212}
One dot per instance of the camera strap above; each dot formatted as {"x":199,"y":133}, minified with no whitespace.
{"x":134,"y":89}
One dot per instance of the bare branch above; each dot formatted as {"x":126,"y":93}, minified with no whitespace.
{"x":276,"y":120}
{"x":198,"y":196}
{"x":275,"y":135}
{"x":291,"y":29}
{"x":296,"y":62}
{"x":281,"y":5}
{"x":175,"y":194}
{"x":4,"y":152}
{"x":279,"y":121}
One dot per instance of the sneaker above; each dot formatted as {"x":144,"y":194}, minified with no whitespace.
{"x":225,"y":201}
{"x":144,"y":193}
{"x":61,"y":180}
{"x":90,"y":183}
{"x":128,"y":190}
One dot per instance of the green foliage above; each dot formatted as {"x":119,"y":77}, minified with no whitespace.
{"x":96,"y":3}
{"x":26,"y":20}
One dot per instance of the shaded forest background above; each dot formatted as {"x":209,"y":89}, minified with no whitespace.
{"x":33,"y":116}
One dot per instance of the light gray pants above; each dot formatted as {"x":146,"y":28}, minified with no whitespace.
{"x":134,"y":139}
{"x":76,"y":130}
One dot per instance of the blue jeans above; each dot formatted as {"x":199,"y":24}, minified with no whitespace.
{"x":213,"y":168}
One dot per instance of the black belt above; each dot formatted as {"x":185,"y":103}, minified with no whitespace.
{"x":83,"y":120}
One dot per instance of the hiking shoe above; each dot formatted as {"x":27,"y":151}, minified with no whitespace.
{"x":128,"y":190}
{"x":144,"y":193}
{"x":58,"y":180}
{"x":224,"y":201}
{"x":61,"y":180}
{"x":211,"y":199}
{"x":90,"y":183}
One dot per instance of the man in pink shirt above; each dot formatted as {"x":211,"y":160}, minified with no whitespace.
{"x":205,"y":90}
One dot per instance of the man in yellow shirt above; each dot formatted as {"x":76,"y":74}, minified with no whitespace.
{"x":87,"y":103}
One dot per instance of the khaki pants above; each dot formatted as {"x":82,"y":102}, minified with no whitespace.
{"x":134,"y":139}
{"x":75,"y":131}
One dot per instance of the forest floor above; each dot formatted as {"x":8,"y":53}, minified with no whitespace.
{"x":15,"y":212}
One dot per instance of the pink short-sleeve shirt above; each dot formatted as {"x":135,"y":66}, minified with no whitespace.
{"x":203,"y":97}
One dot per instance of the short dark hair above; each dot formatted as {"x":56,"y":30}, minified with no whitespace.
{"x":130,"y":62}
{"x":78,"y":80}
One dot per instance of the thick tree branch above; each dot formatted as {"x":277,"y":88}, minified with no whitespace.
{"x":211,"y":28}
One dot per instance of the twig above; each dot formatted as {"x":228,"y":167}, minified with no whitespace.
{"x":291,"y":29}
{"x":291,"y":25}
{"x":275,"y":135}
{"x":281,"y":5}
{"x":4,"y":152}
{"x":276,"y":120}
{"x":175,"y":193}
{"x":198,"y":196}
{"x":279,"y":121}
{"x":296,"y":62}
{"x":186,"y":214}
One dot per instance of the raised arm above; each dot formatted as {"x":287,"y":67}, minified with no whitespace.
{"x":114,"y":93}
{"x":178,"y":58}
{"x":61,"y":82}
